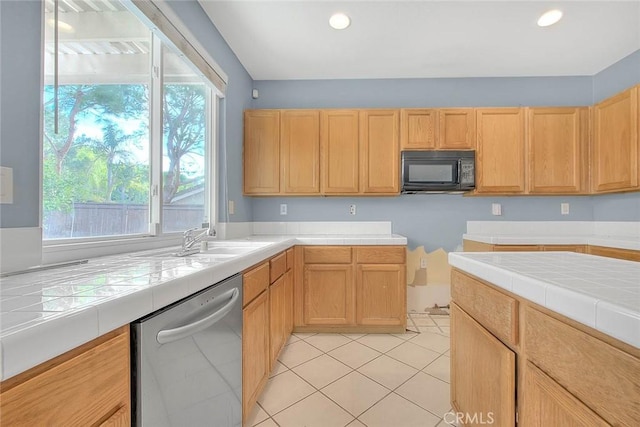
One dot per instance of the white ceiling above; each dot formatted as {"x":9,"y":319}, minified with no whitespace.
{"x":278,"y":40}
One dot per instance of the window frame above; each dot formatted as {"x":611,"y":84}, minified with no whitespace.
{"x":65,"y":249}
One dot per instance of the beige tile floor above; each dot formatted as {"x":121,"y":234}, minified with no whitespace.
{"x":375,"y":380}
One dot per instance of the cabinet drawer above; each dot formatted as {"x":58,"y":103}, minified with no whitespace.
{"x":494,"y":310}
{"x":381,"y":255}
{"x":327,"y":255}
{"x":254,"y":282}
{"x":290,"y":259}
{"x":80,"y":390}
{"x":278,"y":266}
{"x":603,"y":377}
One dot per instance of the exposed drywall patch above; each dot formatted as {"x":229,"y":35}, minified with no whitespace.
{"x":428,"y":279}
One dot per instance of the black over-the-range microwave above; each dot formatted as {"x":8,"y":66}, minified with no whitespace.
{"x":438,"y":171}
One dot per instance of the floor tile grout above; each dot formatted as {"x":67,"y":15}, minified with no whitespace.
{"x":378,"y":355}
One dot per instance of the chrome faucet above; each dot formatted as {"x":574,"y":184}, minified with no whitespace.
{"x":192,"y":237}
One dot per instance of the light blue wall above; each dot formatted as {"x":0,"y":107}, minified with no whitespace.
{"x":431,"y":220}
{"x":440,"y":220}
{"x":617,"y":77}
{"x":20,"y":64}
{"x":617,"y":207}
{"x":393,"y":93}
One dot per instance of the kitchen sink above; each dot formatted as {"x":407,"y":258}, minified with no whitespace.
{"x":220,"y":250}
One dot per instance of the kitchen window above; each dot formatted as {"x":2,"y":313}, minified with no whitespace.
{"x":129,"y":144}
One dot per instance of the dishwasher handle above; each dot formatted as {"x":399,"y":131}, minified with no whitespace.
{"x":170,"y":335}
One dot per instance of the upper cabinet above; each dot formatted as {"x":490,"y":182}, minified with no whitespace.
{"x":500,"y":154}
{"x":557,"y":148}
{"x":340,"y":142}
{"x":437,"y":129}
{"x":300,"y":151}
{"x":615,"y":143}
{"x":457,"y":129}
{"x":418,"y":128}
{"x":261,"y":153}
{"x":380,"y":151}
{"x":524,"y":150}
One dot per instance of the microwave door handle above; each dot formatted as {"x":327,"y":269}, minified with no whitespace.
{"x":458,"y":169}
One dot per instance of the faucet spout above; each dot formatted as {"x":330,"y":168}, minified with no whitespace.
{"x":195,"y":235}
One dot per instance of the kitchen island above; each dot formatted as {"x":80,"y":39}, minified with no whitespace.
{"x":546,"y":338}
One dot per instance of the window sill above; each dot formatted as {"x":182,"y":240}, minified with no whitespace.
{"x":56,"y":251}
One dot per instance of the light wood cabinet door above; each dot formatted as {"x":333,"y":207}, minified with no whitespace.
{"x":83,"y":387}
{"x":340,"y":142}
{"x":328,"y":291}
{"x":457,"y":129}
{"x":255,"y":351}
{"x":381,"y":294}
{"x":261,"y":152}
{"x":379,"y":151}
{"x":300,"y":151}
{"x":483,"y":371}
{"x":557,"y":149}
{"x":546,"y":403}
{"x":277,"y":318}
{"x":501,"y":148}
{"x":418,"y":128}
{"x":615,"y":143}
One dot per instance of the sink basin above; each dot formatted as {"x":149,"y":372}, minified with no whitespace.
{"x":235,"y":250}
{"x":219,"y":249}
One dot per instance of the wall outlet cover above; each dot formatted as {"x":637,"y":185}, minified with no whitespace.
{"x":564,"y":208}
{"x":283,"y":209}
{"x":496,"y":209}
{"x":352,"y":209}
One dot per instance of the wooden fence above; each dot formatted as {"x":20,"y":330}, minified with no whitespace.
{"x":109,"y":219}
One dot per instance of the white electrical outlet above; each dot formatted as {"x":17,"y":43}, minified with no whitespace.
{"x":283,"y":209}
{"x":6,"y":185}
{"x":496,"y":209}
{"x":352,"y":209}
{"x":564,"y":208}
{"x":423,"y":263}
{"x":232,"y":207}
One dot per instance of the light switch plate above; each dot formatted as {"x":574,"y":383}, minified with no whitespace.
{"x":496,"y":209}
{"x":6,"y":185}
{"x":564,"y":208}
{"x":232,"y":207}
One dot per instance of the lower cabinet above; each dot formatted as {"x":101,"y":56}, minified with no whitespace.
{"x":267,"y":322}
{"x":567,"y":374}
{"x":255,"y":350}
{"x":328,"y":294}
{"x":381,"y":291}
{"x":343,"y":288}
{"x":483,"y":372}
{"x":88,"y":386}
{"x":546,"y":403}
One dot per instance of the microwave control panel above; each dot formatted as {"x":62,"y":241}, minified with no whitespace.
{"x":467,"y":172}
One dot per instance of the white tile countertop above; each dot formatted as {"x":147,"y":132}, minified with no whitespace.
{"x":602,"y":293}
{"x":46,"y":313}
{"x":620,"y":235}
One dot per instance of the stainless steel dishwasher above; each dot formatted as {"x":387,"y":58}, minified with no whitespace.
{"x":187,"y":361}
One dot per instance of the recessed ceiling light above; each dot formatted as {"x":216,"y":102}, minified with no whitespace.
{"x":549,"y":18}
{"x":339,"y":21}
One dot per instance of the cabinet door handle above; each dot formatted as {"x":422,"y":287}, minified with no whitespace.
{"x":180,"y":332}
